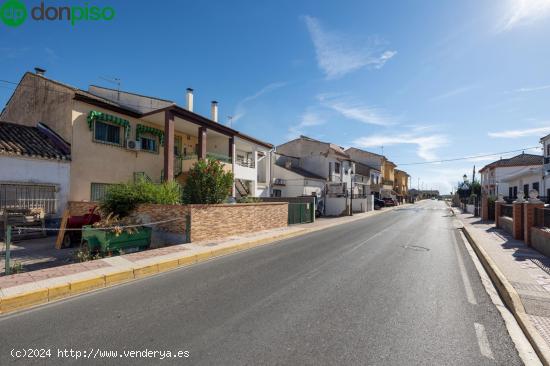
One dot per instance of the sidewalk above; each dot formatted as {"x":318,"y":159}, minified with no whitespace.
{"x":527,"y":270}
{"x":22,"y":290}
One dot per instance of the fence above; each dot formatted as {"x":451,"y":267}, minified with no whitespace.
{"x":28,"y":196}
{"x":506,"y":210}
{"x":542,"y":217}
{"x":301,"y":210}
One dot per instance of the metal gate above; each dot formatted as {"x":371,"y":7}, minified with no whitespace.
{"x":300,"y":213}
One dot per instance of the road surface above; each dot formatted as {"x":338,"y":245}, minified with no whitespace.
{"x":398,"y":288}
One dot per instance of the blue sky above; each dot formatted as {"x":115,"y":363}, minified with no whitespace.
{"x":426,"y":80}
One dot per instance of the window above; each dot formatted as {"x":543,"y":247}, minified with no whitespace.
{"x":98,"y":191}
{"x":108,"y":133}
{"x":536,"y":186}
{"x":276,"y":193}
{"x":510,"y":192}
{"x":148,"y":143}
{"x":337,"y":168}
{"x":526,"y":190}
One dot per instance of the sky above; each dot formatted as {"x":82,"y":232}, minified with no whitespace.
{"x":417,"y":81}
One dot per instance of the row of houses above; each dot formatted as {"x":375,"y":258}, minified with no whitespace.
{"x":519,"y":174}
{"x":59,"y":143}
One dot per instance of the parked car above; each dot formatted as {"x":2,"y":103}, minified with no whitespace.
{"x":378,"y":204}
{"x":389,"y":202}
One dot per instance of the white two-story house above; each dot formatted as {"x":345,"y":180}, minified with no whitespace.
{"x":545,"y":141}
{"x":323,"y":159}
{"x":520,"y":173}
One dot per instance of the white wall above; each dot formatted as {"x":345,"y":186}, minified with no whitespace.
{"x":527,"y":177}
{"x":23,"y":170}
{"x":295,"y":184}
{"x":363,"y":204}
{"x":336,"y":206}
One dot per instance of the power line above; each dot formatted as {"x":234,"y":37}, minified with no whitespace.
{"x":470,"y":157}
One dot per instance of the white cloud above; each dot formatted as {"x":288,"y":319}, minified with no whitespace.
{"x":454,"y":92}
{"x":534,"y":88}
{"x":523,"y":12}
{"x":511,"y":134}
{"x":356,"y":111}
{"x":310,"y":118}
{"x":240,"y":109}
{"x":338,"y":55}
{"x":425,"y":144}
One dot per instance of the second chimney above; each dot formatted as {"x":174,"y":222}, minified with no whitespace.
{"x":189,"y":99}
{"x":214,"y":111}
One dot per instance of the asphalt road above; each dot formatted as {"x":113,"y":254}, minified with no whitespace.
{"x":387,"y":290}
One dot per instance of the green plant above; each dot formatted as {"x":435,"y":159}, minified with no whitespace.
{"x":17,"y":267}
{"x":122,"y":199}
{"x":207,"y":183}
{"x":249,"y":199}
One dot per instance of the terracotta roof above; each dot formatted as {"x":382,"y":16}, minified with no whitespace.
{"x":518,"y":160}
{"x":29,"y":141}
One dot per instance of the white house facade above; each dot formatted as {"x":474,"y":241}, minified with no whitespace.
{"x":34,"y":169}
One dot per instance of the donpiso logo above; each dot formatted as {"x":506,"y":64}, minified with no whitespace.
{"x":14,"y":12}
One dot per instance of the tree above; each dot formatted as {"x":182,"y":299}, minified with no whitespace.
{"x":207,"y":183}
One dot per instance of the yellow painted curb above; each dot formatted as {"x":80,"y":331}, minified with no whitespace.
{"x":58,"y":292}
{"x":167,"y":265}
{"x":203,"y":256}
{"x":78,"y":287}
{"x":512,"y":299}
{"x":145,"y":271}
{"x":118,"y":277}
{"x":25,"y":300}
{"x":224,"y":251}
{"x":184,"y":261}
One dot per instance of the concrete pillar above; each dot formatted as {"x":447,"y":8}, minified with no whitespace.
{"x":230,"y":147}
{"x":202,"y":142}
{"x":529,"y":219}
{"x":168,"y":146}
{"x":484,"y":208}
{"x":517,"y":216}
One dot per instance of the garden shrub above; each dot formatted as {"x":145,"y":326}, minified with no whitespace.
{"x":122,"y":199}
{"x":207,"y":183}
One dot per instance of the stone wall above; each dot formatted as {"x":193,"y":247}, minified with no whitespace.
{"x":173,"y":232}
{"x":540,"y":240}
{"x":220,"y":221}
{"x":507,"y":224}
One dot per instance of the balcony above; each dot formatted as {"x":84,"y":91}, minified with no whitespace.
{"x":244,"y":162}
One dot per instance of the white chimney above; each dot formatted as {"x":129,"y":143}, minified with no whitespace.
{"x":214,"y":111}
{"x":189,"y":98}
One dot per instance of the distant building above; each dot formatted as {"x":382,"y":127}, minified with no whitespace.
{"x":508,"y":176}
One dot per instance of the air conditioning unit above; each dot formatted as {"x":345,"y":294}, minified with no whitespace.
{"x":133,"y":145}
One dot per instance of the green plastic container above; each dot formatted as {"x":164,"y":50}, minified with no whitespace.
{"x":103,"y":241}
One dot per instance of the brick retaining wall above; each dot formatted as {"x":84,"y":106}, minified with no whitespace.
{"x":219,"y":221}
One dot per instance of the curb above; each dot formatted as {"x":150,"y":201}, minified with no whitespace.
{"x":511,"y":299}
{"x":45,"y":295}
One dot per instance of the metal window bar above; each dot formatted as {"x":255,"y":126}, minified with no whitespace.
{"x":28,"y":196}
